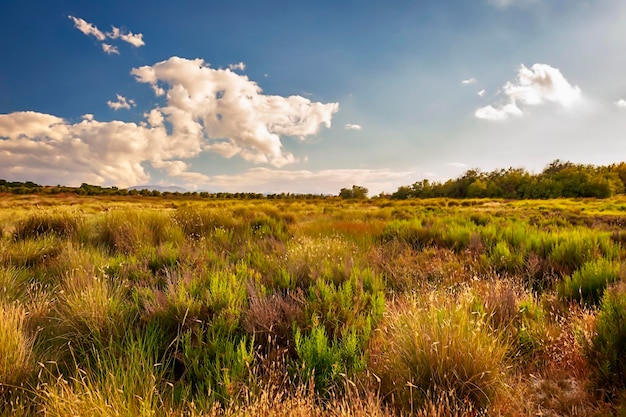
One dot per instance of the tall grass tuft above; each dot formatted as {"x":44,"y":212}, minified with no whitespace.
{"x":125,"y":379}
{"x":91,"y":308}
{"x":423,"y":352}
{"x":62,"y":223}
{"x":16,"y":354}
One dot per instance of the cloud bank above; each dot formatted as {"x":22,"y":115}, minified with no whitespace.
{"x":535,"y":86}
{"x":206,"y":110}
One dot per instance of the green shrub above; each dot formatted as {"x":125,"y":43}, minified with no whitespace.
{"x":191,"y":297}
{"x":323,"y":361}
{"x":587,"y":284}
{"x":356,"y":303}
{"x":216,"y":363}
{"x":607,"y":351}
{"x":503,"y":259}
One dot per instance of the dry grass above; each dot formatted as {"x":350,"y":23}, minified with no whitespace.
{"x":16,"y":348}
{"x":430,"y":348}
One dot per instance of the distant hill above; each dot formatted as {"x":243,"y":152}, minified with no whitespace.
{"x":160,"y":188}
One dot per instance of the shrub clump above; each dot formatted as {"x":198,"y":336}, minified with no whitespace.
{"x":587,"y":284}
{"x":606,"y":352}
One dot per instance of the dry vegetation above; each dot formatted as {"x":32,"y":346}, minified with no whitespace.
{"x":141,"y":306}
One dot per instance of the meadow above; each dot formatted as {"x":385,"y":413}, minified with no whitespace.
{"x":157,"y":306}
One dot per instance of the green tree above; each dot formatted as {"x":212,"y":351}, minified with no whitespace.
{"x":355,"y":192}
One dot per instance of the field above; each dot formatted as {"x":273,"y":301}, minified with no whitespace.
{"x":155,"y":306}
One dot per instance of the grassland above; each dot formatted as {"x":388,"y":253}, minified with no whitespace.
{"x":146,"y":306}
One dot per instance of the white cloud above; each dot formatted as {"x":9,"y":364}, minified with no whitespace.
{"x":351,"y":126}
{"x":121,"y":103}
{"x":110,"y":49}
{"x":621,"y":103}
{"x":503,"y":113}
{"x":134,"y":39}
{"x":116,"y":33}
{"x":87,"y":28}
{"x":206,"y":110}
{"x":230,"y":110}
{"x":469,"y":81}
{"x":537,"y":85}
{"x":457,"y":164}
{"x":240,"y":66}
{"x":481,"y":93}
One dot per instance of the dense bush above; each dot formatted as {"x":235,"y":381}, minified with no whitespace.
{"x":607,"y":351}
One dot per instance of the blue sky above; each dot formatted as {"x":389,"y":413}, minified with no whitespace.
{"x":307,"y":96}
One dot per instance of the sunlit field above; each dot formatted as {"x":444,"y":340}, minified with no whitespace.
{"x":155,"y":306}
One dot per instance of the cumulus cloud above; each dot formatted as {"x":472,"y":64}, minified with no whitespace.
{"x":87,"y":28}
{"x":121,"y":103}
{"x":534,"y":86}
{"x":231,"y":111}
{"x":240,"y":66}
{"x":621,"y":103}
{"x":351,"y":126}
{"x":206,"y":110}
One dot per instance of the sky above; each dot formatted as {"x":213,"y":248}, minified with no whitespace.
{"x":308,"y":96}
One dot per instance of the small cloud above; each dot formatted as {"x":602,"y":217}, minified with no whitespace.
{"x":469,"y":81}
{"x":351,"y":126}
{"x":240,"y":66}
{"x":110,"y":49}
{"x":621,"y":103}
{"x":116,"y":33}
{"x":121,"y":103}
{"x":87,"y":116}
{"x":503,"y":113}
{"x":134,"y":39}
{"x":457,"y":164}
{"x":534,"y":86}
{"x":481,"y":93}
{"x":87,"y":28}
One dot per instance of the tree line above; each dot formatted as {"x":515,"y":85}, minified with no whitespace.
{"x":29,"y":187}
{"x":558,"y":180}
